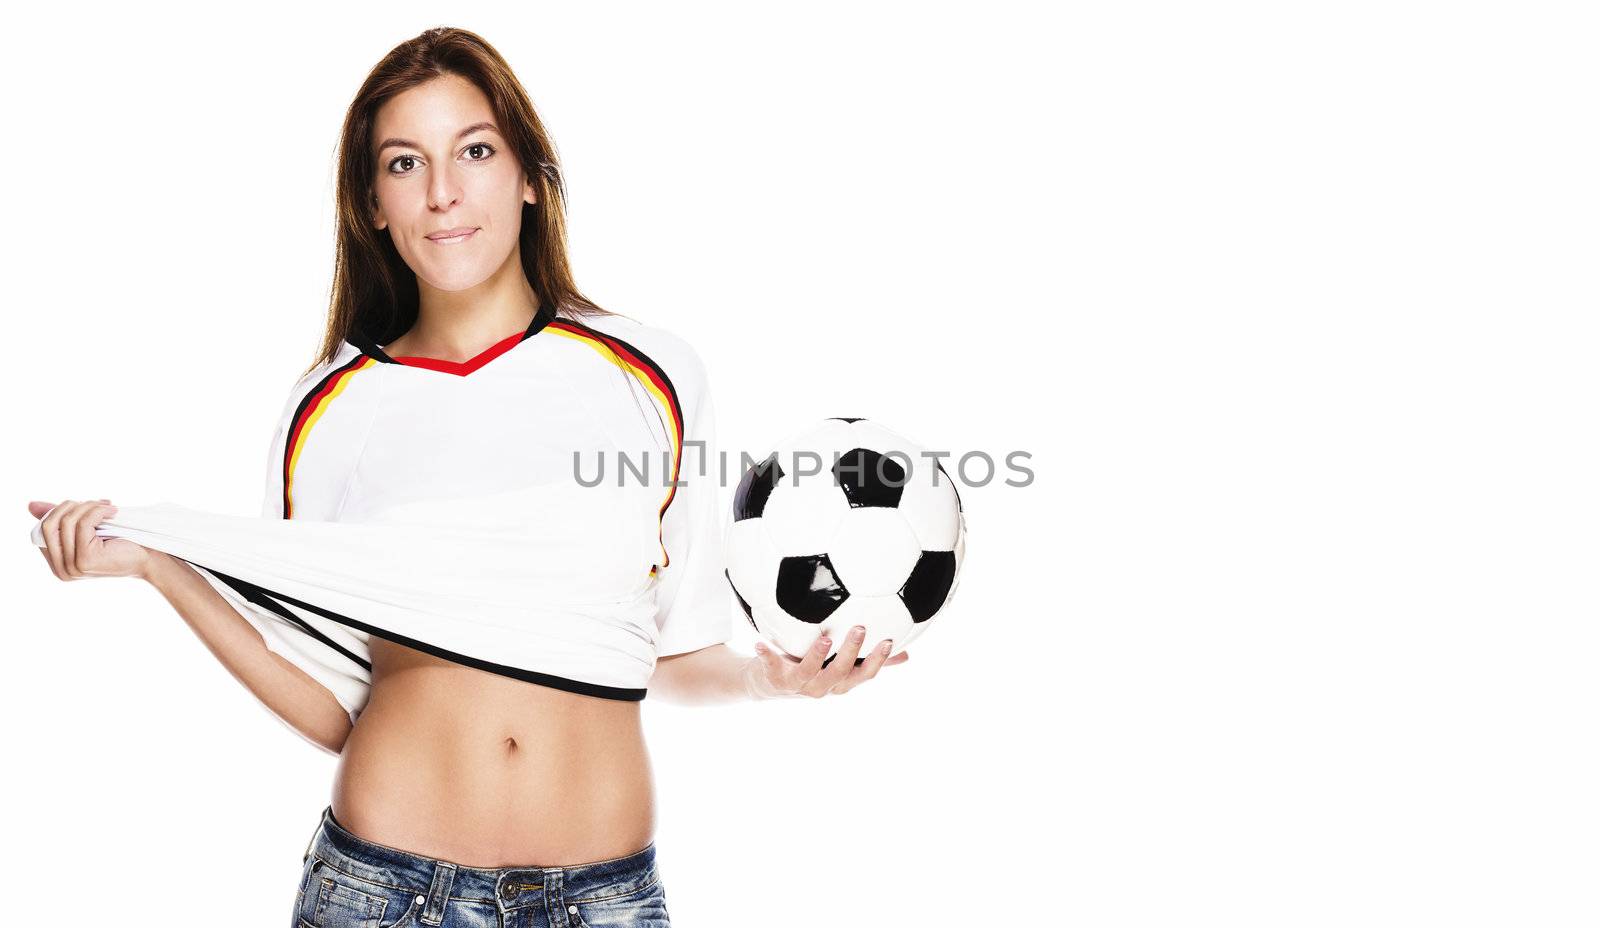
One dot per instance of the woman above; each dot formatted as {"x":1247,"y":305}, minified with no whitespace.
{"x":465,"y":797}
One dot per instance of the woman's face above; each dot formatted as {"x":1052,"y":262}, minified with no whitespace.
{"x":442,"y":165}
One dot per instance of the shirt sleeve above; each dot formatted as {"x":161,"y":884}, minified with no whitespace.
{"x":693,"y":607}
{"x":321,"y":663}
{"x":272,"y":497}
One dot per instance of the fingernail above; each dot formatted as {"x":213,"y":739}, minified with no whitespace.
{"x":824,"y":643}
{"x":859,"y":632}
{"x":887,"y":647}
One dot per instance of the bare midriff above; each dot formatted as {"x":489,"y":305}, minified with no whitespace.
{"x":483,"y":770}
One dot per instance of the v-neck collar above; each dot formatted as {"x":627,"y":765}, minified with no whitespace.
{"x":541,"y":318}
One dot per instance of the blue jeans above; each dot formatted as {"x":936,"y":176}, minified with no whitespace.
{"x":349,"y":882}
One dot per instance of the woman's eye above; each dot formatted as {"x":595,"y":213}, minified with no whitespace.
{"x":410,"y":160}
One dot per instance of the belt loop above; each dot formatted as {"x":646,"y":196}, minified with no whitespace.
{"x":554,"y":906}
{"x":444,"y":875}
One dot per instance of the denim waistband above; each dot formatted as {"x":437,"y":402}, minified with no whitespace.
{"x":508,"y":887}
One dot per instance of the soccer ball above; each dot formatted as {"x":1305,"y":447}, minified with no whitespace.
{"x":846,"y":523}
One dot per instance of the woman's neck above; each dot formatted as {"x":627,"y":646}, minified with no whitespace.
{"x":458,"y":325}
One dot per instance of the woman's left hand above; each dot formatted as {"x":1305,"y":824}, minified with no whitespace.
{"x":781,"y":675}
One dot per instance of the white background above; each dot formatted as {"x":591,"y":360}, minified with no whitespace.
{"x":1293,"y":307}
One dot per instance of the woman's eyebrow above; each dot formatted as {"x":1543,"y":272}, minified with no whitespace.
{"x":407,"y":143}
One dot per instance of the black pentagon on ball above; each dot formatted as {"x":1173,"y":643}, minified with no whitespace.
{"x":869,"y":478}
{"x":749,"y":616}
{"x":925,"y":590}
{"x":808,"y":588}
{"x":750,"y":498}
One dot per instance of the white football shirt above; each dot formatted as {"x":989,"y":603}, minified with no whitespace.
{"x":448,"y":507}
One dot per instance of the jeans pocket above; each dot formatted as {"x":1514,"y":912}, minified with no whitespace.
{"x":332,"y":898}
{"x":645,"y":907}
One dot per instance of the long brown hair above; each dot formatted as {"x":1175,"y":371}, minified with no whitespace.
{"x":374,"y":291}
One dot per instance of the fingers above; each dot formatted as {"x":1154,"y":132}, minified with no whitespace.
{"x":842,"y":673}
{"x":69,"y":530}
{"x":50,"y":527}
{"x":88,"y":540}
{"x":781,"y":658}
{"x":69,"y":538}
{"x":813,"y":660}
{"x":868,"y":668}
{"x":841,"y":665}
{"x":774,"y":667}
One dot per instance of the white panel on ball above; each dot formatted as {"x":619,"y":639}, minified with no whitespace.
{"x":752,"y":562}
{"x":884,"y":617}
{"x":803,"y":519}
{"x":788,"y":635}
{"x":931,"y":510}
{"x":873,"y":551}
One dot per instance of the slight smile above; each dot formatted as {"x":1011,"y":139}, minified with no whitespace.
{"x":443,"y":239}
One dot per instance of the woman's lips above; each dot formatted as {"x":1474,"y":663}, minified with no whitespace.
{"x":453,"y":239}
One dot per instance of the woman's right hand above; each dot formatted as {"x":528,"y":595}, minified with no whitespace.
{"x":74,"y":550}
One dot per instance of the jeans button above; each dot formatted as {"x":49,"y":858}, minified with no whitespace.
{"x":507,"y":891}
